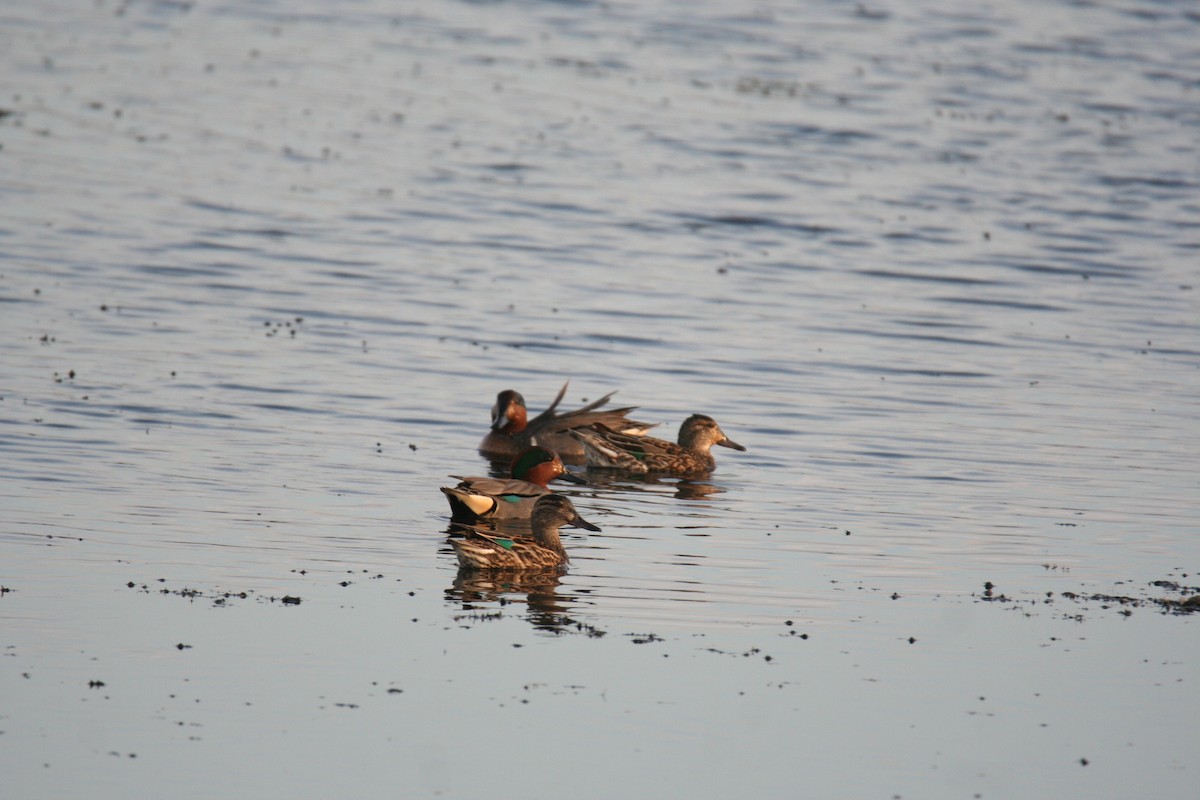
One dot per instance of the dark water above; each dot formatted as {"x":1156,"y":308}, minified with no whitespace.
{"x":264,"y":267}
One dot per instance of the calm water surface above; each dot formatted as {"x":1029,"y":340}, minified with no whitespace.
{"x":263,"y":269}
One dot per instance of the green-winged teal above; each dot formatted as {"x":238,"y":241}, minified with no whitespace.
{"x":488,"y":499}
{"x":485,"y":550}
{"x":513,"y":430}
{"x":609,"y":449}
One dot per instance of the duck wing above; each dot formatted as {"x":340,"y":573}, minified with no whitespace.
{"x":500,"y":487}
{"x":639,"y":446}
{"x":549,"y":415}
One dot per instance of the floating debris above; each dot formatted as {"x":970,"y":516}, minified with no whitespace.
{"x":1187,"y":602}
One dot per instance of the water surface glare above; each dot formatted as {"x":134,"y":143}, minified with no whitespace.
{"x":264,"y":268}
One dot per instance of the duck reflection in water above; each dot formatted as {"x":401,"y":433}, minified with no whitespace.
{"x":547,"y":609}
{"x":611,"y":483}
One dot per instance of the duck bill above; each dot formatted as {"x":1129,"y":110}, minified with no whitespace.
{"x":571,"y":477}
{"x":580,"y":522}
{"x":499,"y":416}
{"x":731,"y":444}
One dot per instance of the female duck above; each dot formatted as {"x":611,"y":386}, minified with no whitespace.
{"x":513,"y":430}
{"x":609,"y":449}
{"x":483,"y":550}
{"x":488,"y":499}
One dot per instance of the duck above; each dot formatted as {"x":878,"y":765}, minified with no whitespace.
{"x":477,"y":499}
{"x":605,"y":448}
{"x":513,"y":431}
{"x":480,"y":549}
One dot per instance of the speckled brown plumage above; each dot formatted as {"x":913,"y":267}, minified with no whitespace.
{"x":605,"y":448}
{"x":486,"y":550}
